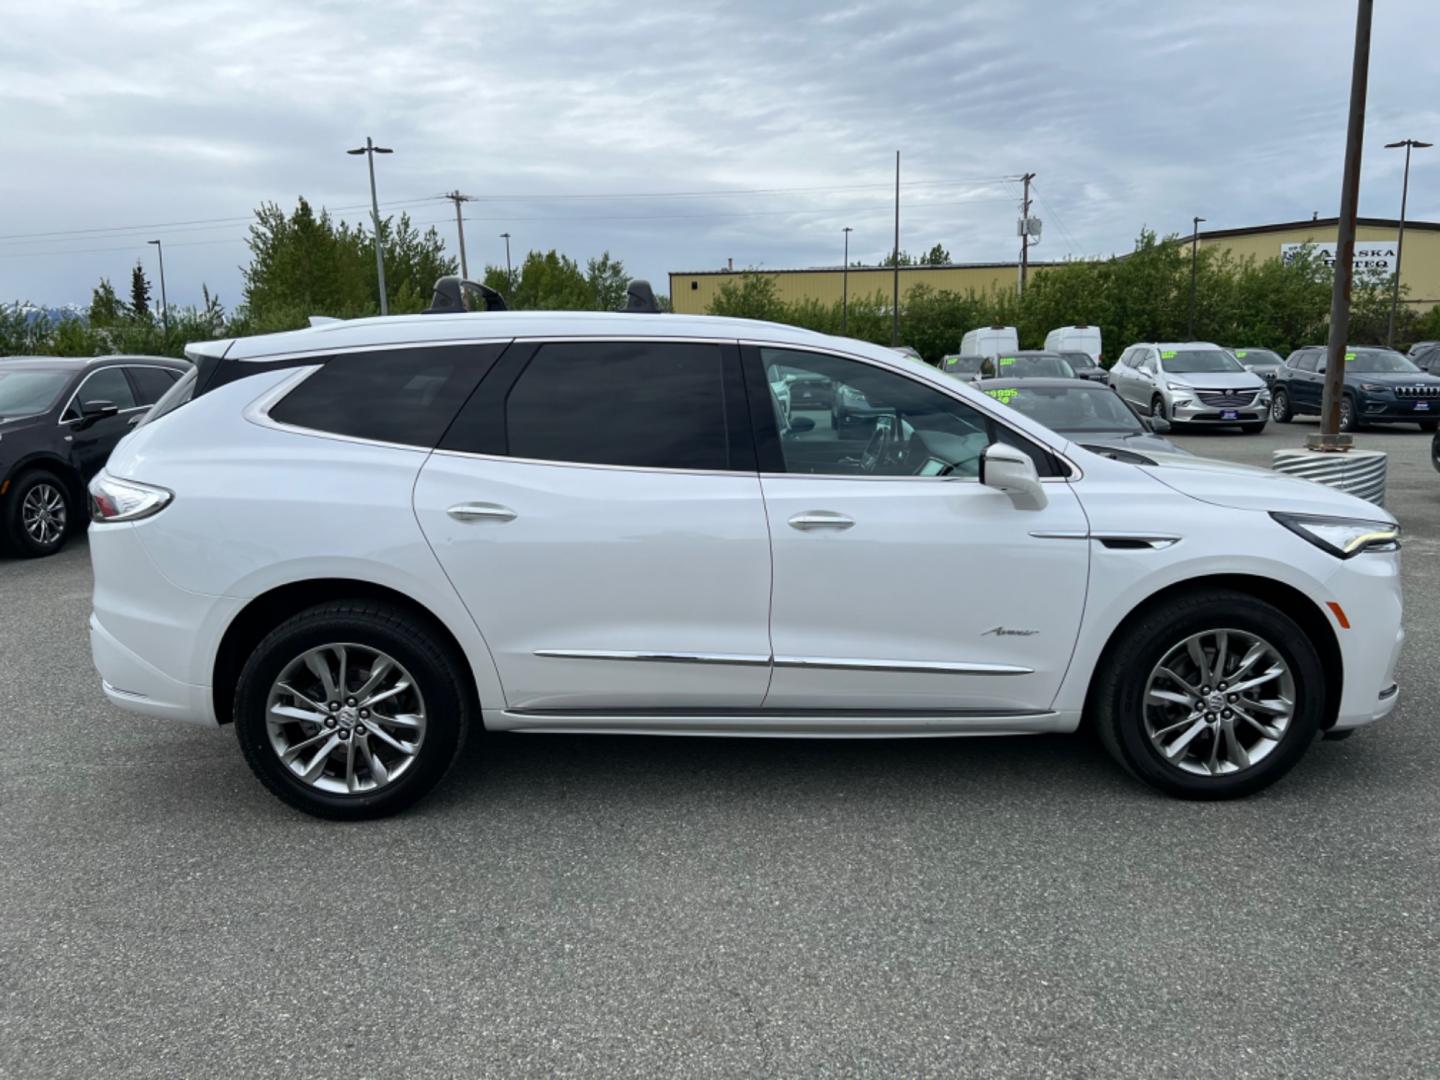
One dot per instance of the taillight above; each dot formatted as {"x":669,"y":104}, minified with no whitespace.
{"x":114,"y":500}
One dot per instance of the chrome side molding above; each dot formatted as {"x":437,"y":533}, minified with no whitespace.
{"x":929,"y":667}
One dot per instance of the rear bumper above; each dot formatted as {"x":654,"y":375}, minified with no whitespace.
{"x":136,"y":685}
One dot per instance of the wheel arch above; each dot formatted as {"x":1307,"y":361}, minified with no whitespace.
{"x":49,"y":461}
{"x":1305,"y":612}
{"x":269,"y":609}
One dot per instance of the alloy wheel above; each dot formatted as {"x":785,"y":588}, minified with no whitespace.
{"x":1219,"y":702}
{"x":345,"y":719}
{"x":43,"y":515}
{"x":1347,"y":414}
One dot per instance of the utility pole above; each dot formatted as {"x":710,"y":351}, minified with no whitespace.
{"x":845,"y":283}
{"x":1194,"y":266}
{"x":457,"y":198}
{"x":509,"y":277}
{"x":1025,"y":231}
{"x":370,"y":150}
{"x":895,"y":280}
{"x":1408,"y":144}
{"x":164,"y":304}
{"x":1330,"y":437}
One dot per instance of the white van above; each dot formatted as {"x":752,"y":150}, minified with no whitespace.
{"x":1084,"y":339}
{"x":990,"y":341}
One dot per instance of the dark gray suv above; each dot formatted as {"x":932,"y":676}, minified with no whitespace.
{"x":59,"y":420}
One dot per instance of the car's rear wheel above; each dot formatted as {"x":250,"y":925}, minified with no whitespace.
{"x":351,"y":710}
{"x":37,"y":515}
{"x":1280,"y":409}
{"x":1213,"y":696}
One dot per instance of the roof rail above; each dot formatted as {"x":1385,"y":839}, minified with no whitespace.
{"x":640,"y":297}
{"x":456,"y":294}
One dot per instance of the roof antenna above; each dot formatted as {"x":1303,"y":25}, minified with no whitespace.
{"x":640,"y":297}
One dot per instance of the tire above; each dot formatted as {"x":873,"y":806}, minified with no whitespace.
{"x":366,"y":632}
{"x":1429,"y":426}
{"x":1254,"y":428}
{"x":1126,"y":723}
{"x":1157,"y":408}
{"x":39,"y":513}
{"x":1347,"y":413}
{"x":1435,"y":452}
{"x":1281,"y":410}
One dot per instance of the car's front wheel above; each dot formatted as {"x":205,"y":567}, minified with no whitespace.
{"x":351,"y":710}
{"x":1212,"y":696}
{"x":1347,"y":413}
{"x":37,"y":515}
{"x":1280,"y":408}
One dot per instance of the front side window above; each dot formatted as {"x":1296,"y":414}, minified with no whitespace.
{"x":883,"y":423}
{"x":643,"y":404}
{"x":105,"y":385}
{"x":403,"y":396}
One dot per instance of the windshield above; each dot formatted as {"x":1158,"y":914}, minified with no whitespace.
{"x":965,"y":364}
{"x":25,"y":393}
{"x":1035,"y":367}
{"x":1070,"y":409}
{"x":1078,"y":360}
{"x":1258,"y":358}
{"x":1180,"y":361}
{"x":1377,"y":360}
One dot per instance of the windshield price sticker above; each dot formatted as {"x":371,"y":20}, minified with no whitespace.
{"x":1349,"y":356}
{"x":1006,"y":361}
{"x":1168,"y":354}
{"x":1242,"y":352}
{"x":1005,"y":394}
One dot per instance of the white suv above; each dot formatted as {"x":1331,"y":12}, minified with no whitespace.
{"x":360,"y":541}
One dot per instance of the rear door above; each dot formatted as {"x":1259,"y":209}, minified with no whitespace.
{"x":597,"y":507}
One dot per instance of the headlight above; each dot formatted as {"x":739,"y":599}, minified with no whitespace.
{"x":1373,"y":388}
{"x":1342,"y":537}
{"x":1177,"y":386}
{"x":113,"y":500}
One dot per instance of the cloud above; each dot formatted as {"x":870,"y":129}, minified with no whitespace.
{"x":1131,"y":113}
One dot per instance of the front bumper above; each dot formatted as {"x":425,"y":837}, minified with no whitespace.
{"x":1396,"y":410}
{"x":1197,"y":412}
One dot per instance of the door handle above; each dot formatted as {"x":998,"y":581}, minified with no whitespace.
{"x":478,"y":511}
{"x":820,"y":519}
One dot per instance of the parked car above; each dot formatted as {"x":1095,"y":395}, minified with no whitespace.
{"x":852,"y":414}
{"x":1427,"y":359}
{"x":1085,"y":366}
{"x":1381,"y":387}
{"x":1033,"y":364}
{"x":967,"y":366}
{"x":59,"y":420}
{"x":1263,"y":362}
{"x":1086,"y":339}
{"x":1093,"y":416}
{"x":357,"y":542}
{"x":1421,"y":346}
{"x":990,"y":341}
{"x":1191,"y":382}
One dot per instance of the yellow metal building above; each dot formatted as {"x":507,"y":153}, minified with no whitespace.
{"x":691,"y":292}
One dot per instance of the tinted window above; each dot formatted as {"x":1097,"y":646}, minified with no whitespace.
{"x":152,"y":382}
{"x":1083,"y":407}
{"x":1307,"y":361}
{"x":172,"y":399}
{"x":107,"y":384}
{"x":25,"y":392}
{"x":646,"y":404}
{"x":406,"y":396}
{"x":1186,"y":361}
{"x":886,"y":424}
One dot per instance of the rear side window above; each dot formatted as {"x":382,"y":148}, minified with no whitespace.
{"x":152,"y":382}
{"x":647,"y":404}
{"x":178,"y":394}
{"x":405,"y":396}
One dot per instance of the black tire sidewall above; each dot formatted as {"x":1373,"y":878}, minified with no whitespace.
{"x":1279,"y":415}
{"x":392,"y":632}
{"x":16,"y":540}
{"x":1344,"y":401}
{"x":1152,"y":636}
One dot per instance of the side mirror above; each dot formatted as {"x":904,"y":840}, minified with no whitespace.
{"x":801,"y":423}
{"x":91,"y":411}
{"x":1011,"y":470}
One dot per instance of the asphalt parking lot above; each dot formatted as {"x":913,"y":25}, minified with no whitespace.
{"x":689,"y":907}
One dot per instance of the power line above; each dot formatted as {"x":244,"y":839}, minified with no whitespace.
{"x":128,"y":247}
{"x":1050,"y":211}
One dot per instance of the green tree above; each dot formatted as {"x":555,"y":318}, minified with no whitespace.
{"x":551,"y":282}
{"x":140,"y":294}
{"x":106,"y":308}
{"x":750,"y":296}
{"x":936,"y":256}
{"x":608,"y":282}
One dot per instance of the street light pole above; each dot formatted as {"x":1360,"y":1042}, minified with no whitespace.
{"x":845,"y":283}
{"x":1194,"y":264}
{"x":457,"y":198}
{"x":895,"y":278}
{"x":1408,"y":144}
{"x":1330,"y":437}
{"x":370,"y":150}
{"x":164,"y":304}
{"x":509,"y":275}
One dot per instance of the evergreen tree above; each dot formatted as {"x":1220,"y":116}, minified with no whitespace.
{"x":140,"y":294}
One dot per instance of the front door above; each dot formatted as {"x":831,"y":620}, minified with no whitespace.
{"x":92,"y":440}
{"x":597,"y":507}
{"x":902,"y":583}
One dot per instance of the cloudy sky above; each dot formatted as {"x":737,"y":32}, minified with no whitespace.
{"x":680,"y":135}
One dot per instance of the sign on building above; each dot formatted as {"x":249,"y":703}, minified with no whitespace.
{"x":1373,"y":258}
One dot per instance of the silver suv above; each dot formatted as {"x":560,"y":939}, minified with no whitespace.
{"x":1191,"y":382}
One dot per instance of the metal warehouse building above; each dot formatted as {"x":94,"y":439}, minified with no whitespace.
{"x":1375,"y":249}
